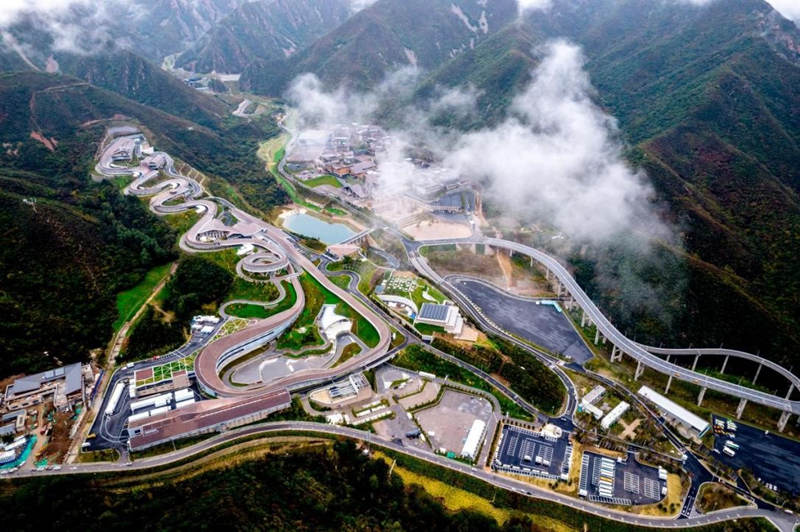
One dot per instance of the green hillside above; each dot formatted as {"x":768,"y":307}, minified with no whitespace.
{"x":267,"y":29}
{"x":706,"y":98}
{"x":383,"y":37}
{"x":69,"y":244}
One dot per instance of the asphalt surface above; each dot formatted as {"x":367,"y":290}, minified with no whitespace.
{"x":527,"y":318}
{"x":630,"y":347}
{"x":772,"y":458}
{"x":782,"y":520}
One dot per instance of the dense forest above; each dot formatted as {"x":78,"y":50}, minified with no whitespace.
{"x":70,"y":244}
{"x":333,"y":487}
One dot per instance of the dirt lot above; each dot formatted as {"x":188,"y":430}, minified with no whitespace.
{"x":448,"y":423}
{"x":435,"y":229}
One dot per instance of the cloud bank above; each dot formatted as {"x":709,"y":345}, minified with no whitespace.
{"x":555,"y":158}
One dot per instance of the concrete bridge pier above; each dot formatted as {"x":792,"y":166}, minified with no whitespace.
{"x":694,"y":364}
{"x":757,"y":372}
{"x":740,"y":408}
{"x":531,"y":262}
{"x":639,"y":370}
{"x":546,"y":271}
{"x":474,"y":249}
{"x":725,"y":364}
{"x":597,"y":336}
{"x":700,"y":397}
{"x":669,"y":383}
{"x":782,"y":421}
{"x":789,"y":393}
{"x":616,"y":353}
{"x":583,"y":319}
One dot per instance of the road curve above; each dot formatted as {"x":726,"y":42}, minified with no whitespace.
{"x":276,"y":251}
{"x":647,"y":355}
{"x":521,"y":487}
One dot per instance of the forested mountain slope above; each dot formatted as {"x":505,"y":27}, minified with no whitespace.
{"x":268,"y":30}
{"x":383,"y":37}
{"x":69,"y":245}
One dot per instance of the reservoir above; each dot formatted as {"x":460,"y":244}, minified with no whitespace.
{"x":310,"y":226}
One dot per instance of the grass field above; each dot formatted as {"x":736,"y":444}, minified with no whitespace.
{"x":323,"y":180}
{"x":129,"y":301}
{"x":349,"y":352}
{"x":304,"y":331}
{"x":257,"y":311}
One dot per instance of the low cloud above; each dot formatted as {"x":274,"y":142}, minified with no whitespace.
{"x":788,"y":8}
{"x":525,"y":5}
{"x":556,"y":157}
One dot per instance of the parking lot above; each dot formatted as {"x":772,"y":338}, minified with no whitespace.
{"x":541,"y":324}
{"x":525,"y":452}
{"x":446,"y":425}
{"x":771,"y":457}
{"x":609,"y":480}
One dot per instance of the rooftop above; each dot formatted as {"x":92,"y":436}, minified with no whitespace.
{"x":71,"y":375}
{"x":434,"y":311}
{"x":674,"y":409}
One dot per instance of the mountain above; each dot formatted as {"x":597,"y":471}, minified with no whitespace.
{"x":385,"y":36}
{"x":707,"y":98}
{"x":130,"y":75}
{"x":164,"y":27}
{"x":269,"y":30}
{"x":69,"y":244}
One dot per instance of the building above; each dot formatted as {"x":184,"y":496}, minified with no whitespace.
{"x":128,"y":148}
{"x":474,"y":438}
{"x":204,"y":417}
{"x":441,"y":315}
{"x":593,"y":410}
{"x":614,"y":415}
{"x":596,"y":393}
{"x":64,"y":385}
{"x":696,"y":425}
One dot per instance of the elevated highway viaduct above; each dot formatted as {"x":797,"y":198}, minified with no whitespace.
{"x":645,"y":356}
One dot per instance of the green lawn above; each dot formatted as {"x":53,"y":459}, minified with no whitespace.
{"x":323,"y":180}
{"x":362,"y":327}
{"x":347,"y":353}
{"x":247,"y":311}
{"x":304,"y":331}
{"x":427,"y":329}
{"x":129,"y":301}
{"x":342,"y":281}
{"x":257,"y":311}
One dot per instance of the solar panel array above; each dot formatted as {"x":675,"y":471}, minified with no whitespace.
{"x":433,"y":311}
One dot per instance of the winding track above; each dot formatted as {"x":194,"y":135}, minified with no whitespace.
{"x":190,"y":190}
{"x":275,"y":251}
{"x":647,"y":355}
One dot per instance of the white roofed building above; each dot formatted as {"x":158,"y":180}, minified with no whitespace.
{"x":675,"y":412}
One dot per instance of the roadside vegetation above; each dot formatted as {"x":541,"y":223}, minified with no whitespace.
{"x":525,"y":374}
{"x":417,"y":358}
{"x":714,"y":496}
{"x":131,"y":300}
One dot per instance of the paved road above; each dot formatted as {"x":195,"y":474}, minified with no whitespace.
{"x":277,"y":250}
{"x":639,"y":352}
{"x":782,"y":520}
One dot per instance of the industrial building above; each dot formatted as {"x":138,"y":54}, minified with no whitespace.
{"x":64,"y":385}
{"x":676,"y":413}
{"x":203,"y":417}
{"x":442,"y":315}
